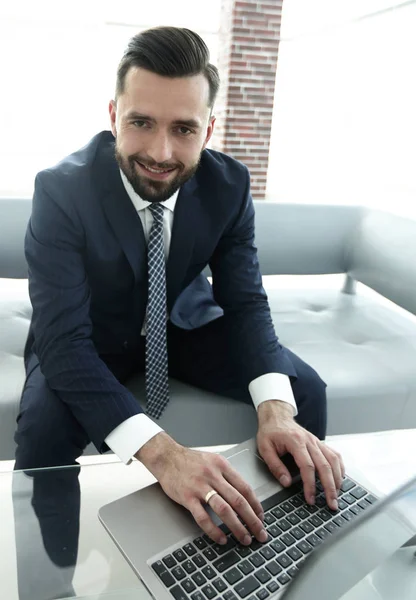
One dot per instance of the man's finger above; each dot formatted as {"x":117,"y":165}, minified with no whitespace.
{"x":237,"y":482}
{"x":306,"y":465}
{"x":335,"y":462}
{"x":205,"y":522}
{"x":276,"y":466}
{"x":326,"y":475}
{"x":243,"y":509}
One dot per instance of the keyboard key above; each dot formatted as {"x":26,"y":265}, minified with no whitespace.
{"x":302,"y":513}
{"x":347,"y":485}
{"x":256,"y":545}
{"x":356,"y":509}
{"x":178,"y":593}
{"x":263,"y":576}
{"x":210,"y":554}
{"x":169,"y":561}
{"x":364,"y":504}
{"x":331,"y":527}
{"x":197,"y":596}
{"x":358,"y":492}
{"x":188,"y":585}
{"x":178,"y":573}
{"x":323,"y":533}
{"x":324,"y":515}
{"x":159,"y":567}
{"x":199,"y":579}
{"x":297,"y":533}
{"x":180,"y":555}
{"x":256,"y":559}
{"x":306,"y":526}
{"x":294,"y":553}
{"x":283,"y":578}
{"x":272,"y":586}
{"x":209,"y":572}
{"x":284,"y":524}
{"x":269,"y":518}
{"x":304,"y":547}
{"x":233,"y":575}
{"x":243,"y":551}
{"x":199,"y":560}
{"x":167,"y":579}
{"x":267,"y":552}
{"x":284,"y":560}
{"x":314,"y":540}
{"x":320,"y":501}
{"x":278,"y":546}
{"x":189,"y":566}
{"x":278,"y":513}
{"x":207,"y":539}
{"x":225,"y":562}
{"x":311,"y":508}
{"x":371,"y":499}
{"x":219,"y":584}
{"x":220,"y":550}
{"x":339,"y":520}
{"x":230,"y":595}
{"x":348,"y":498}
{"x":246,"y":587}
{"x":293,"y":571}
{"x":287,"y":507}
{"x":262,"y":594}
{"x":273,"y":567}
{"x":347,"y":515}
{"x":209,"y":592}
{"x":246,"y":567}
{"x":288,"y":539}
{"x":274,"y":530}
{"x":293,"y":519}
{"x":296,"y":501}
{"x":189,"y":549}
{"x":200,"y":543}
{"x":315,"y":520}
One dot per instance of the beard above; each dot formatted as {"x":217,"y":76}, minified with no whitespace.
{"x":151,"y":190}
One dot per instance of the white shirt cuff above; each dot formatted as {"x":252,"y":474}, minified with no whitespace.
{"x":272,"y":386}
{"x":128,"y":437}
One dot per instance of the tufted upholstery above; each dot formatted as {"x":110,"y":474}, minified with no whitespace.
{"x":364,"y":348}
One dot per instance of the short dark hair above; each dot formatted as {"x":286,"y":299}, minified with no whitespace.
{"x":170,"y":52}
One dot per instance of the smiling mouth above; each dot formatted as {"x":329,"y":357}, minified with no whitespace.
{"x":155,"y":172}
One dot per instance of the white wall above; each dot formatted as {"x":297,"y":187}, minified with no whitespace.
{"x":58,"y":63}
{"x":344,"y":124}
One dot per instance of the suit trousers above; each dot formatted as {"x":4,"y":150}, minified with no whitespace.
{"x":48,"y":435}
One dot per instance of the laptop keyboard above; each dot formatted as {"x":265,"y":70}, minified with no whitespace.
{"x":203,"y":570}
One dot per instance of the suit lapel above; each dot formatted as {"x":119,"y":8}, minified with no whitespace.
{"x":121,"y":214}
{"x":185,"y":227}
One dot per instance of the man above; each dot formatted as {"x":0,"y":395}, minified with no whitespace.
{"x":105,"y":221}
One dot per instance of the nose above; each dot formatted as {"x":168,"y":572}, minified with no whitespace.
{"x":160,"y":149}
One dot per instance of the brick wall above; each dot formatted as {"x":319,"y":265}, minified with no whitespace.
{"x":247,"y":61}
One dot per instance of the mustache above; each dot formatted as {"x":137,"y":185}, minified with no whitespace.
{"x":152,"y":164}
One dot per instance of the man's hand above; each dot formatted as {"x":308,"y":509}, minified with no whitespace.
{"x":187,"y":476}
{"x":279,"y":433}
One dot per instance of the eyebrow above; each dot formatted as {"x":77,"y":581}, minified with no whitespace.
{"x":192,"y":123}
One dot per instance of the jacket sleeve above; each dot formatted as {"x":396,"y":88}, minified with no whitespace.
{"x":237,"y":287}
{"x":60,"y":296}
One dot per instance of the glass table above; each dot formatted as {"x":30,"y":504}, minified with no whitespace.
{"x":52,"y":544}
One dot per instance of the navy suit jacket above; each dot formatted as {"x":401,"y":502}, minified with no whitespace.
{"x":86,"y":254}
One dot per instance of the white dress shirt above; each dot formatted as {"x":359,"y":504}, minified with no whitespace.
{"x":128,"y":437}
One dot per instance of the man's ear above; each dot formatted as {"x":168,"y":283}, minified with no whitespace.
{"x":210,"y":130}
{"x":112,"y":109}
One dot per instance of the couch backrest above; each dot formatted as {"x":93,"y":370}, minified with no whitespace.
{"x":382,"y":255}
{"x":304,"y":239}
{"x":14,"y":216}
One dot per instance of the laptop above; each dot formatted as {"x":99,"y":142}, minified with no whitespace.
{"x":309,"y":547}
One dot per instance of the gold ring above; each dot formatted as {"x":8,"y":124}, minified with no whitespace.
{"x":209,"y":496}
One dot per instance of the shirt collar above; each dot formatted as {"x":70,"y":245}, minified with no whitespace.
{"x":140,"y":204}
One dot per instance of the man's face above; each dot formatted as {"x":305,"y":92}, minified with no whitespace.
{"x":161,"y":126}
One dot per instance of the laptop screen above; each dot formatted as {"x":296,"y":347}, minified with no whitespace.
{"x":356,"y":550}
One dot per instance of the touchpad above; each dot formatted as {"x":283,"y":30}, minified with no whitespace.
{"x":251,"y":468}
